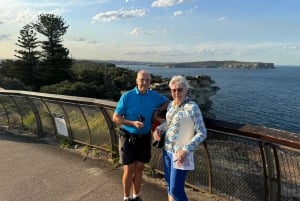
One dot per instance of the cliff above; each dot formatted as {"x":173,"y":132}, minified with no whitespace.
{"x":222,"y":64}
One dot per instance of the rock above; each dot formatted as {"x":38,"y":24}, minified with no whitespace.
{"x":202,"y":89}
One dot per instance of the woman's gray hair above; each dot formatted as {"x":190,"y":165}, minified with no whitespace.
{"x":179,"y":79}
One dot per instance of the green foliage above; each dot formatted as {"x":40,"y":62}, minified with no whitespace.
{"x":29,"y":120}
{"x":92,"y":79}
{"x":95,"y":80}
{"x":98,"y":123}
{"x":105,"y":74}
{"x":51,"y":70}
{"x":85,"y":150}
{"x":72,"y":89}
{"x":65,"y":143}
{"x":115,"y":156}
{"x":11,"y":83}
{"x":34,"y":68}
{"x":28,"y":42}
{"x":28,"y":57}
{"x":51,"y":24}
{"x":150,"y":171}
{"x":95,"y":153}
{"x":55,"y":65}
{"x":93,"y":76}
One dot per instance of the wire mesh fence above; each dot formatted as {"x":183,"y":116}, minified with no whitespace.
{"x":239,"y":163}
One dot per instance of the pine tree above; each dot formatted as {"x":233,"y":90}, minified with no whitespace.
{"x":56,"y":63}
{"x":27,"y":56}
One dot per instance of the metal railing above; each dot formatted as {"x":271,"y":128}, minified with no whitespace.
{"x":238,"y":162}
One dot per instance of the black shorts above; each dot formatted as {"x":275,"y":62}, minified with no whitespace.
{"x":135,"y":148}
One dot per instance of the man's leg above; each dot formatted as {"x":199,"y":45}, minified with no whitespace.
{"x":127,"y":179}
{"x":138,"y":177}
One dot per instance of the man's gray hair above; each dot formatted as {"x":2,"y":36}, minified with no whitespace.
{"x":143,"y":72}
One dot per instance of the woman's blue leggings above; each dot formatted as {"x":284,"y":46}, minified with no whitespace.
{"x":175,"y":178}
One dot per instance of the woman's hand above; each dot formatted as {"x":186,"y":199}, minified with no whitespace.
{"x":180,"y":156}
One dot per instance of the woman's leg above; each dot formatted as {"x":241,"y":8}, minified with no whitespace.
{"x":177,"y":183}
{"x":167,"y":159}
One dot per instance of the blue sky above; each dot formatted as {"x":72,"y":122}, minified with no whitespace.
{"x":165,"y":30}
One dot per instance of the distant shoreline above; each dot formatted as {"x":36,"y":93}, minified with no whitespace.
{"x":224,"y":64}
{"x":205,"y":64}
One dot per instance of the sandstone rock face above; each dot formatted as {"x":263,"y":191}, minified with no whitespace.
{"x":202,"y":89}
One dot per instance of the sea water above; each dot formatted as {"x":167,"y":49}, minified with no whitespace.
{"x":266,"y":97}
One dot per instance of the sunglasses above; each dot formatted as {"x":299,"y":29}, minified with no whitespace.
{"x":179,"y":90}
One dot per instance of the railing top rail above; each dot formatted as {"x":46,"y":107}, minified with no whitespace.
{"x":57,"y":97}
{"x":261,"y":133}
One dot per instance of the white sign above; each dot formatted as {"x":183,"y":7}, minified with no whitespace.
{"x":60,"y":124}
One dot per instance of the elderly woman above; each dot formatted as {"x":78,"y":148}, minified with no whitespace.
{"x":184,"y":131}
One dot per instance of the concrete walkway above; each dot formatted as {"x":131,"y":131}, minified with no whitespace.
{"x":36,"y":170}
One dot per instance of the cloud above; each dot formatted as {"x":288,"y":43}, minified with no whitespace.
{"x":166,"y":3}
{"x":139,"y":31}
{"x":19,"y":12}
{"x":119,"y":14}
{"x":177,"y":13}
{"x":81,"y":39}
{"x":160,"y":51}
{"x":245,"y":50}
{"x":136,"y":32}
{"x":95,"y":42}
{"x":165,"y":52}
{"x":289,"y":47}
{"x":84,"y":42}
{"x":4,"y":36}
{"x":84,"y":3}
{"x":290,"y":50}
{"x":222,"y":18}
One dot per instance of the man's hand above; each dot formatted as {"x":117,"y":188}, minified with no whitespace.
{"x":157,"y":135}
{"x":138,"y":124}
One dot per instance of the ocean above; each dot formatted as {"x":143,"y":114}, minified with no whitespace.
{"x":265,"y":97}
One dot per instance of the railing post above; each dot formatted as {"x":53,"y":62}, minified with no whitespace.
{"x":112,"y":132}
{"x":273,"y":174}
{"x":209,"y":172}
{"x":6,"y":114}
{"x":19,"y":110}
{"x":39,"y":127}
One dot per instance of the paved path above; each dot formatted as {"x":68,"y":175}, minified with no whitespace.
{"x":36,"y":170}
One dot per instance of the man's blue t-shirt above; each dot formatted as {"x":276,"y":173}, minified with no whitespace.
{"x":133,"y":105}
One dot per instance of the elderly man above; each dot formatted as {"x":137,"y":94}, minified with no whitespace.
{"x":134,"y":113}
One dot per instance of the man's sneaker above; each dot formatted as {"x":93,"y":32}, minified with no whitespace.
{"x":137,"y":199}
{"x":128,"y":199}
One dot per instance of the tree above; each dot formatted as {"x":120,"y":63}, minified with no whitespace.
{"x":56,"y":63}
{"x":28,"y":42}
{"x":11,"y":83}
{"x":28,"y":56}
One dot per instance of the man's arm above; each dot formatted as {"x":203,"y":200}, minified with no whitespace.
{"x":164,"y":106}
{"x":120,"y":120}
